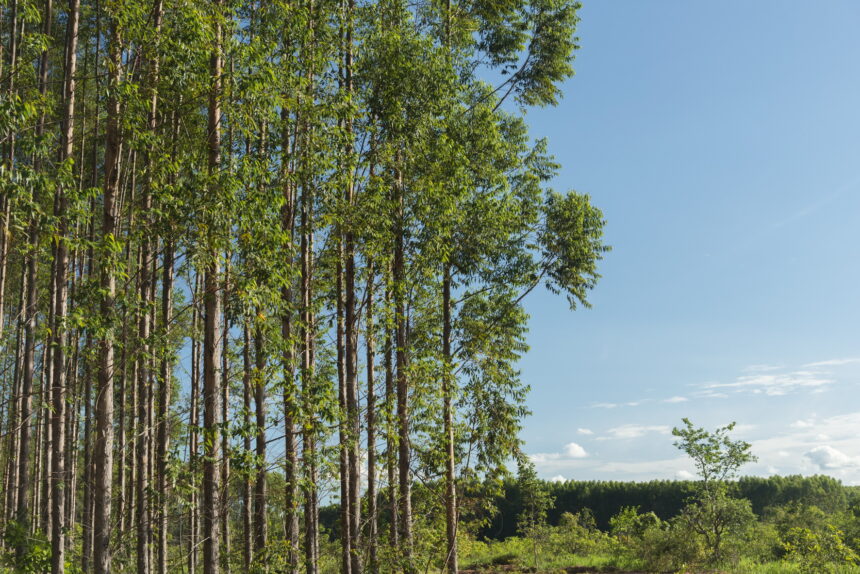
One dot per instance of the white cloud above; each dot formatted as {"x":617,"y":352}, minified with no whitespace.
{"x":833,"y":362}
{"x":829,"y":458}
{"x":646,"y":469}
{"x":760,"y":368}
{"x":676,"y":400}
{"x":585,"y":431}
{"x":803,"y":424}
{"x":635,"y":431}
{"x":558,"y":478}
{"x":574,"y":450}
{"x":685,"y":475}
{"x":544,"y":457}
{"x":616,"y":405}
{"x":813,"y":445}
{"x":774,"y":384}
{"x":709,"y":394}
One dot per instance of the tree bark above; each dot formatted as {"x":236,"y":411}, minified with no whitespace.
{"x":103,"y":458}
{"x":212,"y":334}
{"x":448,"y":415}
{"x":260,"y":409}
{"x":247,"y":511}
{"x":372,"y":511}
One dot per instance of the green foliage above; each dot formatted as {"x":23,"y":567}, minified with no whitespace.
{"x":629,"y":525}
{"x":716,"y":456}
{"x":24,"y":553}
{"x":720,"y":520}
{"x":572,"y":245}
{"x":531,"y":522}
{"x":713,"y":514}
{"x":818,"y":551}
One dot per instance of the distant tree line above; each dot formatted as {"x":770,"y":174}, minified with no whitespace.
{"x":665,"y":498}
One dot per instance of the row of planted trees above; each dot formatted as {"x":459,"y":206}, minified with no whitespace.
{"x":255,"y":244}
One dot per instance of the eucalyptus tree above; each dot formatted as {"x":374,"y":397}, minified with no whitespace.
{"x":320,"y":175}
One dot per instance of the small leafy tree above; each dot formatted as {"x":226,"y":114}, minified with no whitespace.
{"x":818,"y":551}
{"x":713,"y":513}
{"x":536,"y":502}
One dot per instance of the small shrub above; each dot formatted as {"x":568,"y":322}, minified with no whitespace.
{"x":818,"y":552}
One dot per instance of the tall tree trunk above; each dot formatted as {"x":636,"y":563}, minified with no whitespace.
{"x":372,"y":511}
{"x":291,"y":468}
{"x":343,"y":424}
{"x":103,"y":459}
{"x":163,"y":404}
{"x":145,"y":323}
{"x":225,"y":417}
{"x":28,"y":366}
{"x":13,"y":428}
{"x":194,"y":439}
{"x":390,"y":434}
{"x":61,"y":262}
{"x":308,"y":386}
{"x":448,"y":416}
{"x":404,"y":457}
{"x":247,"y":511}
{"x":260,"y":409}
{"x":350,"y":334}
{"x":211,"y":331}
{"x":165,"y":386}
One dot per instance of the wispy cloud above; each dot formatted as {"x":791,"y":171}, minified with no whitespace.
{"x":630,"y":431}
{"x":544,"y":457}
{"x":676,"y":400}
{"x":616,"y":405}
{"x":587,"y":432}
{"x":774,"y":384}
{"x":666,"y":468}
{"x":763,"y":368}
{"x":803,"y":424}
{"x":833,"y":362}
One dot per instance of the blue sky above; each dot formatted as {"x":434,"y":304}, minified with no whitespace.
{"x":722,"y":141}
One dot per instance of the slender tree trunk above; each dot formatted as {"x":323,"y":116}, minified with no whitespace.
{"x":372,"y":511}
{"x":291,"y":467}
{"x":145,"y":322}
{"x":350,"y":334}
{"x":391,"y":435}
{"x":15,"y":460}
{"x":163,"y":404}
{"x":193,"y":439}
{"x":28,"y":372}
{"x":343,"y":424}
{"x":225,"y":417}
{"x":308,"y":387}
{"x":165,"y":386}
{"x":211,"y":339}
{"x":448,"y":415}
{"x":104,"y":401}
{"x":247,"y":513}
{"x":260,"y":408}
{"x":404,"y":456}
{"x":61,"y":262}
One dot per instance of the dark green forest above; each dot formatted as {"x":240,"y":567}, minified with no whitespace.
{"x":666,"y":498}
